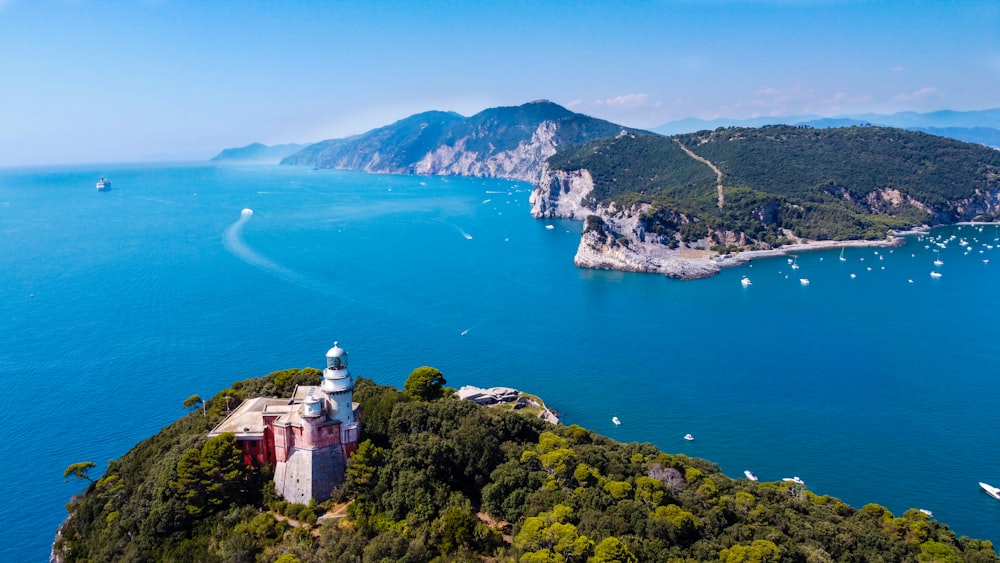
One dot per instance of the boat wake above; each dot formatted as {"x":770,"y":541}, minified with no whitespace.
{"x":233,"y":240}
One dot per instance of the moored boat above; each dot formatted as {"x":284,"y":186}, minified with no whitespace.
{"x":103,"y":184}
{"x":750,"y":475}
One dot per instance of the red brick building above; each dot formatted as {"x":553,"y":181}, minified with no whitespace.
{"x":307,"y":437}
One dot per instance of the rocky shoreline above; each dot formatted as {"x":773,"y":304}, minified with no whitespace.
{"x":620,"y":243}
{"x":692,"y":263}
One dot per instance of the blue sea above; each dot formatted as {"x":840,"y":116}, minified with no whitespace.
{"x":116,"y":306}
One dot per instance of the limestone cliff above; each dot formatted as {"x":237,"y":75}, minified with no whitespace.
{"x":560,"y":194}
{"x":504,"y":142}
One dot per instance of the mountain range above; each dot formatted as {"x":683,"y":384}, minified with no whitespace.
{"x":503,"y":142}
{"x":977,"y":126}
{"x":258,"y":153}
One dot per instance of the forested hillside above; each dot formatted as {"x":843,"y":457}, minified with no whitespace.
{"x":446,"y":480}
{"x":780,"y":181}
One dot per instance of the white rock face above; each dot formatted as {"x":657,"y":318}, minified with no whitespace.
{"x":560,"y":194}
{"x":522,"y":163}
{"x":604,"y":252}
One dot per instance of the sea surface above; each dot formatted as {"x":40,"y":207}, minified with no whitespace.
{"x":116,"y":306}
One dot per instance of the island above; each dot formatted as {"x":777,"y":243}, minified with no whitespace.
{"x":437,"y":478}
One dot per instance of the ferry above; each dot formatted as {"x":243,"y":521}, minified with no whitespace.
{"x":991,"y":490}
{"x":103,"y":184}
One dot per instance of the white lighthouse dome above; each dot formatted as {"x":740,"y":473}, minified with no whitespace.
{"x":336,"y":358}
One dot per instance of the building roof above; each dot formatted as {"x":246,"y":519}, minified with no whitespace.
{"x":247,"y":421}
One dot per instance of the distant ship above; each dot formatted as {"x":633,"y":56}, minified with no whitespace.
{"x":103,"y":184}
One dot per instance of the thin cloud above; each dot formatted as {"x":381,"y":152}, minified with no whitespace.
{"x":574,"y":104}
{"x":921,"y":94}
{"x":897,"y":69}
{"x":629,"y":101}
{"x":845,"y":98}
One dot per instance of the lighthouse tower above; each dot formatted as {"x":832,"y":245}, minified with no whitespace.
{"x":338,"y":386}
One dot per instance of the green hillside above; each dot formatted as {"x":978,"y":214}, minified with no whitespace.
{"x":446,"y":480}
{"x":842,"y":183}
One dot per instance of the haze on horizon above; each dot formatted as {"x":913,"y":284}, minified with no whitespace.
{"x":90,"y":81}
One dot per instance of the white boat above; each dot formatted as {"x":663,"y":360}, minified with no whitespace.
{"x":938,"y":261}
{"x":803,"y":281}
{"x":746,"y":282}
{"x":935,"y":274}
{"x":550,"y":227}
{"x":795,"y":480}
{"x":103,"y":184}
{"x":616,"y":421}
{"x":927,"y":512}
{"x":688,"y":437}
{"x":991,"y":490}
{"x":750,"y":475}
{"x":842,"y":259}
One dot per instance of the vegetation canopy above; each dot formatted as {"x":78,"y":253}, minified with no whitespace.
{"x":781,"y":182}
{"x":447,"y":480}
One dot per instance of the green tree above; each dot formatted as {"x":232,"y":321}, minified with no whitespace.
{"x":79,"y":470}
{"x":193,"y":403}
{"x":212,"y":476}
{"x":425,"y":383}
{"x":551,"y":537}
{"x":612,"y":550}
{"x":760,"y":551}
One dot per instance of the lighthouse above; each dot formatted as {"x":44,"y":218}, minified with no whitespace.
{"x":308,"y":437}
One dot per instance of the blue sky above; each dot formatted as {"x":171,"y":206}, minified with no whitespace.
{"x":115,"y":81}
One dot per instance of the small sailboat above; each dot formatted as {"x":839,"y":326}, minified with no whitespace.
{"x":615,"y":420}
{"x":938,"y":261}
{"x":842,"y":259}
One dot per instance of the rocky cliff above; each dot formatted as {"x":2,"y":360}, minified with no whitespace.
{"x":505,"y":142}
